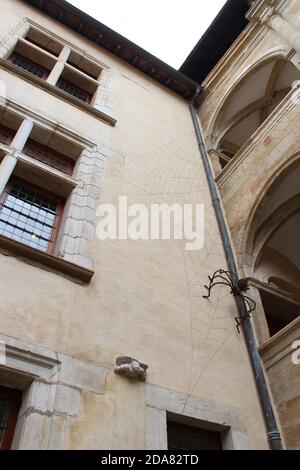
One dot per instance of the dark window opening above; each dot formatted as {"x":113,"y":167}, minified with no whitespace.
{"x":81,"y":69}
{"x":38,"y":44}
{"x":50,"y":157}
{"x":10,"y":402}
{"x":44,"y":41}
{"x":30,"y":215}
{"x":283,"y":285}
{"x":186,"y":437}
{"x":73,"y":90}
{"x":227,"y":156}
{"x":279,"y":312}
{"x":29,"y":66}
{"x":6,"y":135}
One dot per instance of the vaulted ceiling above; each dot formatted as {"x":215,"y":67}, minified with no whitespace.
{"x":252,"y":101}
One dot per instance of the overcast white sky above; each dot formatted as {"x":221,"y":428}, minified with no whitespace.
{"x":169,"y":29}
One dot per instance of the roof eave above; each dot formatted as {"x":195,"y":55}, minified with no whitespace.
{"x":118,"y":45}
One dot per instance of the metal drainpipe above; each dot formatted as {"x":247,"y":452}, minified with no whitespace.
{"x":266,"y":404}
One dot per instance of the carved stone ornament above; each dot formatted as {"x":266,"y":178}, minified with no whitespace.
{"x":131,"y":368}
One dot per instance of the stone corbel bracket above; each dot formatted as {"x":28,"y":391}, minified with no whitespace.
{"x":131,"y":368}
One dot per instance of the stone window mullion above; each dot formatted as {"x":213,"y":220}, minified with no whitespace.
{"x":59,"y":66}
{"x":8,"y":163}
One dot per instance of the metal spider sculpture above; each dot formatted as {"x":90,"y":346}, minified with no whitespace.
{"x":237,"y":289}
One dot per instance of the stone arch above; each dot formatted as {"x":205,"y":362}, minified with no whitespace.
{"x":249,"y":101}
{"x":271,"y":245}
{"x":268,"y":55}
{"x":278,"y":176}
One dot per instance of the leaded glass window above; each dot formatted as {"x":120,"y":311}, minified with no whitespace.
{"x":73,"y":90}
{"x":28,"y":216}
{"x":48,"y":156}
{"x":29,"y":66}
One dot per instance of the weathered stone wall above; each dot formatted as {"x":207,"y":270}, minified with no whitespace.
{"x":246,"y":180}
{"x":145,"y":299}
{"x":285,"y":380}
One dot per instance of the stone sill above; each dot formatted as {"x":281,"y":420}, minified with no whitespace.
{"x":63,"y":184}
{"x":284,"y":335}
{"x":278,"y":349}
{"x":45,"y":260}
{"x":57,"y":92}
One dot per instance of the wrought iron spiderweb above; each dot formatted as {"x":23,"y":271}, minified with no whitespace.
{"x":237,"y":289}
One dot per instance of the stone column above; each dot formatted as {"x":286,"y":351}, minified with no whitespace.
{"x":59,"y":66}
{"x":22,"y":135}
{"x":9,"y":162}
{"x":286,"y":31}
{"x":215,"y":161}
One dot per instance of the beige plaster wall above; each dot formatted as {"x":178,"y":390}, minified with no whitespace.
{"x":145,"y":299}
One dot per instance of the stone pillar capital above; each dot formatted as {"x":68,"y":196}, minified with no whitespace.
{"x":266,"y":15}
{"x":261,"y":11}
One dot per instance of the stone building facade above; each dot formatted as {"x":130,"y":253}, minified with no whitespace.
{"x":86,"y":117}
{"x":250,"y":117}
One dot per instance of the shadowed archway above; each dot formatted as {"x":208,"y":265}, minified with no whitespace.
{"x":250,"y":103}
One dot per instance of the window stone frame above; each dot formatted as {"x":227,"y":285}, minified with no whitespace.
{"x":228,"y":420}
{"x":78,"y":224}
{"x":104,"y":102}
{"x":52,"y":385}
